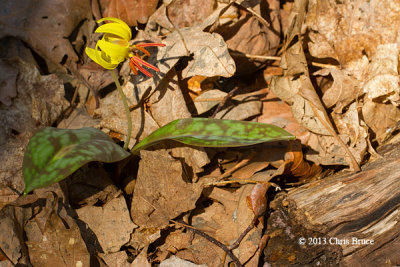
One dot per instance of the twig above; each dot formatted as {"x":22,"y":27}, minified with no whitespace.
{"x":245,"y":232}
{"x":78,"y":75}
{"x":212,"y":240}
{"x":316,"y":64}
{"x":259,"y":92}
{"x":258,"y":16}
{"x":222,"y":103}
{"x":237,"y":166}
{"x":246,"y":181}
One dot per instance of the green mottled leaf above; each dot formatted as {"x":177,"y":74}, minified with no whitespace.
{"x":215,"y":133}
{"x":53,"y":154}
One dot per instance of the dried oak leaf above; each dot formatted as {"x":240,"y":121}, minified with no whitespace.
{"x":111,"y":223}
{"x":382,"y":78}
{"x":249,"y":35}
{"x":39,"y":101}
{"x":45,"y":25}
{"x":169,"y":97}
{"x":352,"y":131}
{"x":243,"y":107}
{"x":112,"y":116}
{"x":131,"y":12}
{"x":187,"y":13}
{"x":161,"y":191}
{"x":58,"y":246}
{"x":202,"y":103}
{"x":141,"y":259}
{"x":295,"y":86}
{"x":174,"y":261}
{"x":12,"y":239}
{"x":344,"y":90}
{"x":119,"y":259}
{"x":279,"y":113}
{"x":344,"y":30}
{"x":380,"y":117}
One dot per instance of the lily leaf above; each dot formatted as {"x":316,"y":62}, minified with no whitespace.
{"x":53,"y":154}
{"x":215,"y":133}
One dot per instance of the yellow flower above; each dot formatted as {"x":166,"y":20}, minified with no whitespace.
{"x":114,"y":48}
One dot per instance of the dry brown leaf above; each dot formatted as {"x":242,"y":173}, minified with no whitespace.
{"x":119,"y":259}
{"x":79,"y":118}
{"x":111,"y":223}
{"x":344,"y":90}
{"x":278,"y":113}
{"x":352,"y":131}
{"x":113,"y":116}
{"x":142,"y":237}
{"x":345,"y":30}
{"x":39,"y":101}
{"x":141,"y":259}
{"x":177,"y":262}
{"x":210,"y":53}
{"x":259,"y":161}
{"x":177,"y":241}
{"x":45,"y":25}
{"x":249,"y":245}
{"x":204,"y":106}
{"x":169,"y":97}
{"x":380,"y":117}
{"x":161,"y":192}
{"x":216,"y":220}
{"x":11,"y":241}
{"x":187,"y":13}
{"x":91,"y":185}
{"x":131,"y":12}
{"x":248,"y":35}
{"x":382,"y":79}
{"x":295,"y":86}
{"x":225,"y":219}
{"x":58,"y":246}
{"x":243,"y":107}
{"x":7,"y":196}
{"x":96,"y":76}
{"x":297,"y":166}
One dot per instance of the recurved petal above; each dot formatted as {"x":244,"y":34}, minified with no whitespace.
{"x":96,"y":56}
{"x":118,"y":28}
{"x":117,"y":53}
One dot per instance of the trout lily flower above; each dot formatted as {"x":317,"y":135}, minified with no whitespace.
{"x":114,"y":48}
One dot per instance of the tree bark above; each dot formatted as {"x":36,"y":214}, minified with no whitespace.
{"x":346,"y":219}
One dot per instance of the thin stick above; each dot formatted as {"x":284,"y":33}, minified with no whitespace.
{"x":316,"y":64}
{"x":245,"y":232}
{"x":222,"y":103}
{"x":127,"y":111}
{"x":259,"y":92}
{"x":246,"y":181}
{"x":237,"y":166}
{"x":261,"y":19}
{"x":78,"y":75}
{"x":212,"y":240}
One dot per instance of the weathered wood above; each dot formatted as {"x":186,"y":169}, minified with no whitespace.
{"x":355,"y":218}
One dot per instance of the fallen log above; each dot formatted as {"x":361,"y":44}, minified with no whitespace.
{"x":344,"y":219}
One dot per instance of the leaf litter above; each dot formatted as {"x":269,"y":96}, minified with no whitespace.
{"x":337,"y":90}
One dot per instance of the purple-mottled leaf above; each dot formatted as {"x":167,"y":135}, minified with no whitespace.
{"x":215,"y":133}
{"x":52,"y":154}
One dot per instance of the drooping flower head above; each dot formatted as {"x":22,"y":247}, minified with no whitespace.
{"x":113,"y":48}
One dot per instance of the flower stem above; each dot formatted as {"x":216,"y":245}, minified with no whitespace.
{"x":127,"y":111}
